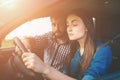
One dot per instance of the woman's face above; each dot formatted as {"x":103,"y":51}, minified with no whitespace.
{"x":75,"y":27}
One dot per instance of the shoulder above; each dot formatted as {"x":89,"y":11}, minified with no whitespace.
{"x":103,"y":52}
{"x":104,"y":49}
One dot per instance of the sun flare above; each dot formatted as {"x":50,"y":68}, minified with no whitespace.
{"x":32,"y":28}
{"x":8,"y":3}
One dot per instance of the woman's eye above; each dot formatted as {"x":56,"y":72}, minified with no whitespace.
{"x":75,"y":24}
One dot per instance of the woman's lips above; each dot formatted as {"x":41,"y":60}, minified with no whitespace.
{"x":70,"y":34}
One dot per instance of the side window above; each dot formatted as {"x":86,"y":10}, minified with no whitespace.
{"x":31,"y":28}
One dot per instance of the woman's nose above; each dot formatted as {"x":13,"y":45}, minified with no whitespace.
{"x":69,"y":29}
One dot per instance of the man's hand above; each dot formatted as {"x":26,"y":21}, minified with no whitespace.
{"x":26,"y":44}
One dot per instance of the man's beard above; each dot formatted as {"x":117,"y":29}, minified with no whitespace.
{"x":58,"y":34}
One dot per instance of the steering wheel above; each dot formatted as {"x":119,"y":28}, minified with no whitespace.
{"x":18,"y":61}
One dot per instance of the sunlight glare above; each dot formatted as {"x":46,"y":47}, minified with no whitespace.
{"x":8,"y":3}
{"x":32,"y":28}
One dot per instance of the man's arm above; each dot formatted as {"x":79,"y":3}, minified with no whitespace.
{"x":54,"y":74}
{"x":33,"y":62}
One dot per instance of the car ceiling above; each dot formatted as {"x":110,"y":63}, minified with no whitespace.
{"x":26,"y":10}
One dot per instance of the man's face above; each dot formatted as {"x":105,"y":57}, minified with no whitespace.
{"x":58,"y":27}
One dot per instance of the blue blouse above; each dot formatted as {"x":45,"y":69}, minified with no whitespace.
{"x":99,"y":65}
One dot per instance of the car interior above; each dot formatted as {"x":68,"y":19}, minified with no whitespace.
{"x":106,"y":13}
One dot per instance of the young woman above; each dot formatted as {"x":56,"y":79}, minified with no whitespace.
{"x":85,"y":61}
